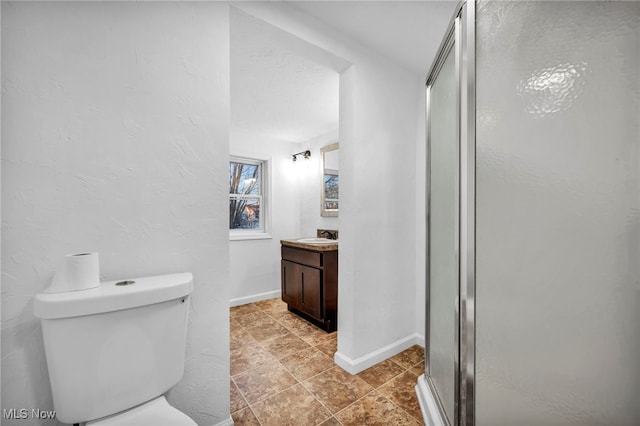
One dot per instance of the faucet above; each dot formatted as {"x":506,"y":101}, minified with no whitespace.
{"x":328,"y":234}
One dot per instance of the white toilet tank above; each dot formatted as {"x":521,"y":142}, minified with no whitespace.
{"x":113,"y":347}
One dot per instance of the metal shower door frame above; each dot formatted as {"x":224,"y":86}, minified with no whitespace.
{"x":460,"y":36}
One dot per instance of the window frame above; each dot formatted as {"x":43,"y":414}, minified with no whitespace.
{"x":263,"y":163}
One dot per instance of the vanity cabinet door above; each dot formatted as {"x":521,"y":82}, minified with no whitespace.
{"x":310,"y":292}
{"x":290,"y":274}
{"x":309,"y":281}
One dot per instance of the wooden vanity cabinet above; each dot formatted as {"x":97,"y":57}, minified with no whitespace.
{"x":310,"y":285}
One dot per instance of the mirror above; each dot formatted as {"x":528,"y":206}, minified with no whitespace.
{"x":329,"y":204}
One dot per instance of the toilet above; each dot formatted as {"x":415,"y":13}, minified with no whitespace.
{"x":114,"y":351}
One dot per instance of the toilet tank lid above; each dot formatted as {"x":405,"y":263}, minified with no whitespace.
{"x":113,"y":296}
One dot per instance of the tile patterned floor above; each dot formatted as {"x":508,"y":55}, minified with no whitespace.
{"x":282,"y":373}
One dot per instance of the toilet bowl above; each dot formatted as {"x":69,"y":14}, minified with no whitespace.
{"x":157,"y":412}
{"x":114,"y":351}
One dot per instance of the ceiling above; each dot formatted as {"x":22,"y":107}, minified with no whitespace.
{"x":408,"y":32}
{"x":287,"y":89}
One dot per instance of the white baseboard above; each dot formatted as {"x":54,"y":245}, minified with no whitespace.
{"x":254,"y":298}
{"x":226,"y":422}
{"x":428,"y":405}
{"x":354,"y":366}
{"x":420,"y":340}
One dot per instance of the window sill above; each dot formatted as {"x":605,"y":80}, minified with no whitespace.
{"x":244,"y":237}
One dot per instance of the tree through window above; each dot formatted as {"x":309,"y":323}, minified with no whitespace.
{"x":246,"y":195}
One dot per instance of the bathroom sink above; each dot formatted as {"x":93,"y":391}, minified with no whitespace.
{"x":317,"y":241}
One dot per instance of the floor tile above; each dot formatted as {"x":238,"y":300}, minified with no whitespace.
{"x":237,"y":401}
{"x":265,"y":304}
{"x":331,"y":421}
{"x":381,"y":373}
{"x":331,"y":337}
{"x":336,"y":388}
{"x":279,"y":314}
{"x":254,"y":319}
{"x":409,"y":357}
{"x":237,"y":311}
{"x":234,"y":326}
{"x":291,"y":321}
{"x":239,"y":339}
{"x":244,"y":417}
{"x":305,"y":330}
{"x":267,"y":330}
{"x":401,"y":391}
{"x":311,"y":334}
{"x":328,"y":347}
{"x":249,"y":357}
{"x":294,"y":406}
{"x":307,"y":363}
{"x":283,"y":373}
{"x":375,"y":409}
{"x":418,"y":369}
{"x":285,"y":345}
{"x":272,"y":305}
{"x":259,"y":383}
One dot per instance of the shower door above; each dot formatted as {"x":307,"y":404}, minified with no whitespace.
{"x":450,"y":158}
{"x":443,"y":169}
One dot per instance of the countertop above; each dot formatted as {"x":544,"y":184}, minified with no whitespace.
{"x":310,"y":246}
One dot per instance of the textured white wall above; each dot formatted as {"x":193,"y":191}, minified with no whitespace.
{"x":115,"y":139}
{"x":281,"y":86}
{"x":379,"y":206}
{"x":558,"y":231}
{"x":346,"y":272}
{"x":311,"y":185}
{"x":255,"y":264}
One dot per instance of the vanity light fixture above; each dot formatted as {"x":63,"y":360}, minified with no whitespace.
{"x":306,"y":155}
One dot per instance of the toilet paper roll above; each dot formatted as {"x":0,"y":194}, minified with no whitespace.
{"x":80,"y":271}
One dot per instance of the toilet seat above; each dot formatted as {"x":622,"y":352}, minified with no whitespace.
{"x":157,"y":412}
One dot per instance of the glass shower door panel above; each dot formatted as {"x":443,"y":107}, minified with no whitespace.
{"x":443,"y":233}
{"x":557,"y":225}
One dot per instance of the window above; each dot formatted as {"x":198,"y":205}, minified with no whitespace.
{"x":247,"y":198}
{"x":329,"y":198}
{"x":331,"y":188}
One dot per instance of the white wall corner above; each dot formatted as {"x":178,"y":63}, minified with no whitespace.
{"x":428,"y":406}
{"x":257,"y":297}
{"x":354,"y":366}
